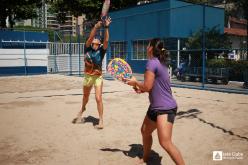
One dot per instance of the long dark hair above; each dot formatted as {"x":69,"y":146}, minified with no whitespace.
{"x":159,"y":51}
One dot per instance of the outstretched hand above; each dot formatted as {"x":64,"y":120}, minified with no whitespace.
{"x":107,"y":21}
{"x":132,"y":81}
{"x":137,"y":90}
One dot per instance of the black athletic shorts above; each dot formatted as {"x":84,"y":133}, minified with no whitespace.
{"x":152,"y":114}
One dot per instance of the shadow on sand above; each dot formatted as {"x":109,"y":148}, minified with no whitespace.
{"x":193,"y":114}
{"x":88,"y":119}
{"x":136,"y":150}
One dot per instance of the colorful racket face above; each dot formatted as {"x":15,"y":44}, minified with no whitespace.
{"x":119,"y":69}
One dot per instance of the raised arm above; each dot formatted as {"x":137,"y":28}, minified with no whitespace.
{"x":93,"y":33}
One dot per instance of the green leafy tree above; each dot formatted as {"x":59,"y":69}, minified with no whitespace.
{"x":92,"y":8}
{"x":17,"y":9}
{"x":239,"y":7}
{"x":75,"y":7}
{"x":213,"y":39}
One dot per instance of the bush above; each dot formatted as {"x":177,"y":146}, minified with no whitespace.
{"x":217,"y":63}
{"x":237,"y":68}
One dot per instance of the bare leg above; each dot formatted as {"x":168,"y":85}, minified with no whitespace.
{"x":98,"y":90}
{"x":85,"y":98}
{"x":164,"y":129}
{"x":86,"y":94}
{"x":147,"y":128}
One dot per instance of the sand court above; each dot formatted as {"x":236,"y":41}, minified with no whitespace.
{"x":36,"y":114}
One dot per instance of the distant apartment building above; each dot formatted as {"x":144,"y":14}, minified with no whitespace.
{"x":70,"y":26}
{"x":48,"y":20}
{"x":41,"y":20}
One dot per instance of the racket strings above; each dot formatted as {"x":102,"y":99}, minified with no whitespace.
{"x":119,"y":69}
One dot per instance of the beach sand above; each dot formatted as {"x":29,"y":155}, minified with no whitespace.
{"x":36,"y":114}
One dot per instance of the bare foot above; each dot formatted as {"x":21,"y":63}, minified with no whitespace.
{"x":98,"y":126}
{"x":78,"y":120}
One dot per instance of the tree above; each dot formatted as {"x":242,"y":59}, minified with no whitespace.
{"x":17,"y":9}
{"x":92,"y":8}
{"x":214,"y":40}
{"x":239,"y":6}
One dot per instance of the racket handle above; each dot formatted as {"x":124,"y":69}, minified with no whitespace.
{"x":136,"y":88}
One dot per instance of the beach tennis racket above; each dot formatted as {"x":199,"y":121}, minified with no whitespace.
{"x":119,"y":69}
{"x":105,"y":9}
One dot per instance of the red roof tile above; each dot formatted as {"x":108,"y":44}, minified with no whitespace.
{"x":240,"y":21}
{"x":236,"y":32}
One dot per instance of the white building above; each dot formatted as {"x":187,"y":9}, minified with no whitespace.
{"x":237,"y":31}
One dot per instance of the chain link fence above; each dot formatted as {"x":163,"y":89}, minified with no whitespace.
{"x":207,"y":59}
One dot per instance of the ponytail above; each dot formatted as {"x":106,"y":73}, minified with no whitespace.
{"x":160,"y":52}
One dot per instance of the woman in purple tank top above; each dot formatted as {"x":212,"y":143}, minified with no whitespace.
{"x":163,"y":107}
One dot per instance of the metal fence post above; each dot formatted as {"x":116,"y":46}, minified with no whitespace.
{"x":1,"y":44}
{"x":70,"y":53}
{"x":178,"y":52}
{"x":24,"y":48}
{"x":79,"y":61}
{"x":55,"y":51}
{"x":203,"y":46}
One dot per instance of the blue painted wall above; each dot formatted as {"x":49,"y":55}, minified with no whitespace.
{"x":19,"y":36}
{"x":29,"y":36}
{"x":20,"y":70}
{"x":140,"y":22}
{"x":187,"y":18}
{"x":164,"y":19}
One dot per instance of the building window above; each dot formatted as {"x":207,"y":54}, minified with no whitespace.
{"x":139,"y":49}
{"x":118,"y":49}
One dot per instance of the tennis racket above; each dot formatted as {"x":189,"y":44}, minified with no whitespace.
{"x":105,"y":9}
{"x":119,"y":69}
{"x":104,"y":13}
